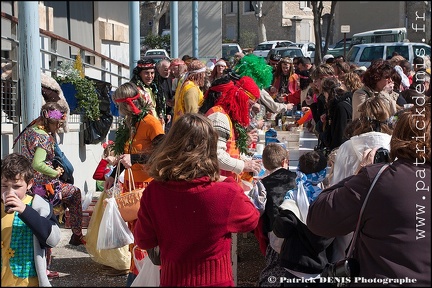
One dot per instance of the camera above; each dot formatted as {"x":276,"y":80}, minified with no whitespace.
{"x":382,"y":156}
{"x":344,"y":268}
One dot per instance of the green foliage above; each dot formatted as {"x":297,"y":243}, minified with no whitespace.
{"x":241,"y":142}
{"x":88,"y":99}
{"x":226,"y":40}
{"x":247,"y":39}
{"x":156,"y":41}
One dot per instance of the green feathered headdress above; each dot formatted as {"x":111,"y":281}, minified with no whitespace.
{"x":256,"y":68}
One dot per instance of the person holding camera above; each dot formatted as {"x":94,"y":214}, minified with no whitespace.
{"x":371,"y":130}
{"x":394,"y":236}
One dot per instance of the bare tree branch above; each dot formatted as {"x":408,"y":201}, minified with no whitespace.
{"x":161,"y":7}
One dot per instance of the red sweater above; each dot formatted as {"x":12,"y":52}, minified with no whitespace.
{"x":192,"y":223}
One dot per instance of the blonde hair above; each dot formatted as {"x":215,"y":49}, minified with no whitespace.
{"x":374,"y":116}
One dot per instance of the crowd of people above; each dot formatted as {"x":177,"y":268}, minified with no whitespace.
{"x":184,"y":136}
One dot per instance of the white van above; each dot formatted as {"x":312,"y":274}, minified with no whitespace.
{"x":380,"y":36}
{"x":363,"y":54}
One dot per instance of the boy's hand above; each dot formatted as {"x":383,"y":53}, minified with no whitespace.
{"x":14,"y":203}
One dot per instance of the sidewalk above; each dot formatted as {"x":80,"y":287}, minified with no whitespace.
{"x":77,"y":269}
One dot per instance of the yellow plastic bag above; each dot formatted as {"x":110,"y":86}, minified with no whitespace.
{"x":118,"y":258}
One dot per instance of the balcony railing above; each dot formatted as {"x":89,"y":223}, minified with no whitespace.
{"x":101,"y":68}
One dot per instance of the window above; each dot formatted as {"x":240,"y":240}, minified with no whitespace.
{"x":383,"y":38}
{"x":231,"y":7}
{"x":401,"y":50}
{"x":420,"y":50}
{"x":292,"y":53}
{"x":311,"y":47}
{"x":352,"y":54}
{"x":248,"y":6}
{"x":372,"y":53}
{"x":305,"y":5}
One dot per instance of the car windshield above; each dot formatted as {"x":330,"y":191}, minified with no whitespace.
{"x":352,"y":53}
{"x":371,"y":53}
{"x":229,"y":51}
{"x":264,"y":47}
{"x":291,"y":53}
{"x":155,"y":53}
{"x":340,"y":44}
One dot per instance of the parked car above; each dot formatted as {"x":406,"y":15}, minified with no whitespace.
{"x":338,"y":49}
{"x":291,"y":52}
{"x":160,"y":52}
{"x":307,"y":48}
{"x":166,"y":32}
{"x":363,"y":54}
{"x":263,"y":48}
{"x":229,"y":50}
{"x":156,"y":58}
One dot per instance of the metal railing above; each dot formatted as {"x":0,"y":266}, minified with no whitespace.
{"x":104,"y":68}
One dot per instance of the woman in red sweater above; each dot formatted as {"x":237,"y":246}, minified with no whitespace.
{"x":189,"y":210}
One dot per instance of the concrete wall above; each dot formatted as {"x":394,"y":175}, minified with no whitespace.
{"x":367,"y":15}
{"x":209,"y":28}
{"x":284,"y":20}
{"x":381,"y":14}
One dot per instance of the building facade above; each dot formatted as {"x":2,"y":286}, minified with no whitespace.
{"x":293,"y":20}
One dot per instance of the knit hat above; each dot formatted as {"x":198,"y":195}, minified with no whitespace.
{"x":256,"y":68}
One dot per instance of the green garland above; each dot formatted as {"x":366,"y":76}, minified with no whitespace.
{"x":241,"y":142}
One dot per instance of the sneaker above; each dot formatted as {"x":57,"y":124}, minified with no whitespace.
{"x":77,"y":240}
{"x":52,"y":274}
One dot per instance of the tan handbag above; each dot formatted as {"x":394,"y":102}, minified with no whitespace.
{"x":129,"y":202}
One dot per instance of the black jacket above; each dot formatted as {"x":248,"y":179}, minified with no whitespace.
{"x":302,"y":250}
{"x":339,"y":115}
{"x":276,"y":184}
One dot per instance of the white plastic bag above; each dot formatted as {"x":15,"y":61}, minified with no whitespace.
{"x":258,"y":196}
{"x":113,"y":230}
{"x":87,"y":199}
{"x":148,"y":273}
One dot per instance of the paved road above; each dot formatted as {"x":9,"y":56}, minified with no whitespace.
{"x":77,"y":269}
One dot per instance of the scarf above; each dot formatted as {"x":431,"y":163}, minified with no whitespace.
{"x":307,"y":190}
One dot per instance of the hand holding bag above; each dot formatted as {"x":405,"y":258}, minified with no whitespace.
{"x":116,"y":189}
{"x":148,"y":273}
{"x":129,"y":202}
